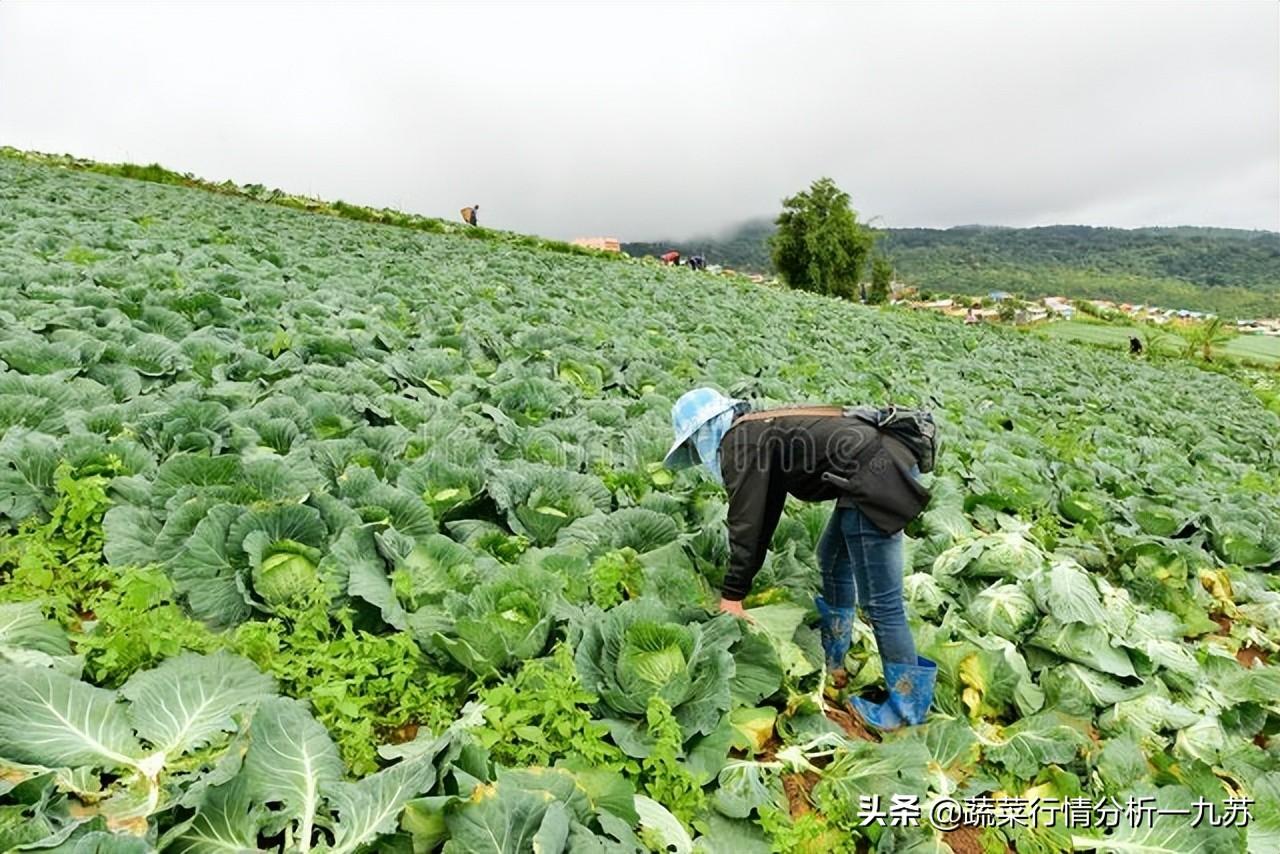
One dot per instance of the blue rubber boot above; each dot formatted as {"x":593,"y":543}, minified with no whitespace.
{"x":910,"y":695}
{"x":837,"y":633}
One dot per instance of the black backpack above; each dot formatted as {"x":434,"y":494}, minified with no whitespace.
{"x":914,"y":428}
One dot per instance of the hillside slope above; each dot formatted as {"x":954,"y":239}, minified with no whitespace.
{"x":1228,"y":271}
{"x":399,"y":472}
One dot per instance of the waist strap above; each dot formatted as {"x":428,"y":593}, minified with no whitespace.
{"x":808,"y":411}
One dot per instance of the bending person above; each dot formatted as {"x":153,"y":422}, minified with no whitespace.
{"x":819,"y":454}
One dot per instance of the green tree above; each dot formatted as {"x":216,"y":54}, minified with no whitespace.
{"x":820,"y":245}
{"x":881,"y":280}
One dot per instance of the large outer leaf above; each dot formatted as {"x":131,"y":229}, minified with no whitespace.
{"x":1264,"y":826}
{"x":1161,"y":834}
{"x":745,"y":786}
{"x":1079,"y":690}
{"x":100,"y":842}
{"x":27,"y":638}
{"x":863,"y":768}
{"x":660,"y":824}
{"x":1067,"y":592}
{"x":366,"y":574}
{"x":47,"y":718}
{"x":130,"y":534}
{"x":635,"y":527}
{"x":1033,"y":743}
{"x":1083,"y":644}
{"x":757,"y":669}
{"x":496,"y":820}
{"x":371,"y":807}
{"x":731,"y":836}
{"x":227,"y":822}
{"x":291,"y":760}
{"x":539,"y":500}
{"x":205,"y":573}
{"x":186,"y":701}
{"x":295,"y":522}
{"x":779,"y":624}
{"x":27,"y":487}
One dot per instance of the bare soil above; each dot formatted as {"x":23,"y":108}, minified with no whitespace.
{"x":1249,"y":655}
{"x":769,"y":751}
{"x":799,"y":790}
{"x":401,"y":734}
{"x":849,"y":722}
{"x":964,"y":840}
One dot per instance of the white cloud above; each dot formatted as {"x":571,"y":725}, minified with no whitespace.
{"x":660,"y":119}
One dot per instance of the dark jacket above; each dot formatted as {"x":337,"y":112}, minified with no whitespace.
{"x":764,"y":461}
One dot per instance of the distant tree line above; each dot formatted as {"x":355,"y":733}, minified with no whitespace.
{"x":1231,"y":272}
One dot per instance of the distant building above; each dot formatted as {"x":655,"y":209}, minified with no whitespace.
{"x":1000,"y":296}
{"x":604,"y":244}
{"x":1261,"y":326}
{"x":1060,"y":306}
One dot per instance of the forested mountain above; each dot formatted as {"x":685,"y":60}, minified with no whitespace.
{"x":1229,"y":271}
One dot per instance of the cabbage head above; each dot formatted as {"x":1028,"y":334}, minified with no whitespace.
{"x":283,"y":546}
{"x":500,"y":623}
{"x":237,"y":559}
{"x":639,"y":650}
{"x":1003,"y":609}
{"x":1008,"y":554}
{"x":286,"y":573}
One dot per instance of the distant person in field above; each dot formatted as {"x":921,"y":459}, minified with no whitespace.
{"x":971,"y":318}
{"x":672,"y":258}
{"x":819,"y":453}
{"x":469,"y":214}
{"x":1135,"y":347}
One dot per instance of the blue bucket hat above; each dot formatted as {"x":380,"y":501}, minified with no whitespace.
{"x":702,"y":407}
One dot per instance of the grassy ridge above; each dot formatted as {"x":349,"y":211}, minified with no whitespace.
{"x":1226,"y":271}
{"x":157,"y":174}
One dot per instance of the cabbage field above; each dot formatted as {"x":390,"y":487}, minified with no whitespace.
{"x":320,"y":535}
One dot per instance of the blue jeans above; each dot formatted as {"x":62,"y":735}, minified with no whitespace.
{"x":863,"y":565}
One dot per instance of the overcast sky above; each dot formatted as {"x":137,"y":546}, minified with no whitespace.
{"x":649,"y":120}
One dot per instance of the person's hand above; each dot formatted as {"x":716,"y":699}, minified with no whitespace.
{"x":734,"y":606}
